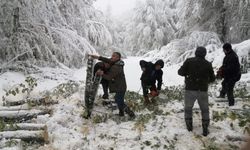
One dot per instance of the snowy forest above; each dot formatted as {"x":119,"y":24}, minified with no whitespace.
{"x":44,"y":52}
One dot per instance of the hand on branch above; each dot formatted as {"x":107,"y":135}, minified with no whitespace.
{"x":94,"y":56}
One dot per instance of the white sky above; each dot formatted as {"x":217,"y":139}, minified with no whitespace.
{"x":118,"y":7}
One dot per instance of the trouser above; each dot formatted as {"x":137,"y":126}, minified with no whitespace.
{"x":146,"y":88}
{"x":119,"y":99}
{"x":190,"y":98}
{"x":228,"y":88}
{"x":105,"y":86}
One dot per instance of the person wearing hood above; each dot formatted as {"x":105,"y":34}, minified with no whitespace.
{"x":150,"y":74}
{"x":230,"y":71}
{"x":117,"y":81}
{"x":198,"y":73}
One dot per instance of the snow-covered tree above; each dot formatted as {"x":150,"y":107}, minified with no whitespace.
{"x":152,"y":25}
{"x":228,"y":18}
{"x":50,"y":32}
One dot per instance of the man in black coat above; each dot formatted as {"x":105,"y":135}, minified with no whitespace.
{"x":151,"y":73}
{"x":230,"y":71}
{"x":198,"y":73}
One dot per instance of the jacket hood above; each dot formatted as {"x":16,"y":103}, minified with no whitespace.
{"x":160,"y":62}
{"x":143,"y":63}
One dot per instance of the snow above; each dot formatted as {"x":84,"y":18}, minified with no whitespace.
{"x":68,"y":130}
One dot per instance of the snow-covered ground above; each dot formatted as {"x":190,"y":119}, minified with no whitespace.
{"x":69,"y":131}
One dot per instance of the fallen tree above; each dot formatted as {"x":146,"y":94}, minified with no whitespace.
{"x":38,"y":136}
{"x":22,"y":114}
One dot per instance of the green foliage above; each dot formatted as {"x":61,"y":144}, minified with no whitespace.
{"x":241,"y":91}
{"x":66,"y":89}
{"x":27,"y":87}
{"x":134,"y":101}
{"x":174,"y":92}
{"x":147,"y":143}
{"x":219,"y":116}
{"x":141,"y":120}
{"x":2,"y":125}
{"x":97,"y":119}
{"x":11,"y":143}
{"x":130,"y":95}
{"x":243,"y":116}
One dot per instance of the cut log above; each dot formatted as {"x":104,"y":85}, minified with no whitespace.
{"x":21,"y":107}
{"x":38,"y":136}
{"x":15,"y":108}
{"x":25,"y":126}
{"x":236,"y":138}
{"x":22,"y":114}
{"x":32,"y":102}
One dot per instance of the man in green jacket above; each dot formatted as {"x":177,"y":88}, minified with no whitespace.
{"x":117,"y":81}
{"x":198,"y":73}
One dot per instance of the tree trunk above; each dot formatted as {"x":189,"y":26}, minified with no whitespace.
{"x":22,"y":114}
{"x":39,"y":136}
{"x":25,"y":126}
{"x":38,"y":101}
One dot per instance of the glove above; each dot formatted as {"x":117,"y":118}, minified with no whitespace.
{"x":220,"y":73}
{"x":154,"y":93}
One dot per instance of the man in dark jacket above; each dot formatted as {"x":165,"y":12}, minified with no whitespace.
{"x":230,"y":71}
{"x":198,"y":73}
{"x":151,"y":73}
{"x":105,"y":83}
{"x":117,"y":81}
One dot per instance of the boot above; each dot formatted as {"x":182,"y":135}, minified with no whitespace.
{"x":189,"y":124}
{"x":86,"y":114}
{"x":222,"y":95}
{"x":146,"y":100}
{"x":130,"y":112}
{"x":105,"y":96}
{"x":205,"y":124}
{"x":121,"y":112}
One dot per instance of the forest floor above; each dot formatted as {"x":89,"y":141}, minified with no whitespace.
{"x":157,"y":126}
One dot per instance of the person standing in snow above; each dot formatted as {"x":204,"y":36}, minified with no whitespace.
{"x":117,"y":81}
{"x":230,"y":71}
{"x":198,"y":73}
{"x":105,"y":84}
{"x":150,"y":74}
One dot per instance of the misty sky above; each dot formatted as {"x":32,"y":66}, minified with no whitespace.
{"x":118,"y":7}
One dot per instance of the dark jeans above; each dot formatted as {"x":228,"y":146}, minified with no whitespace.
{"x":228,"y":88}
{"x":119,"y":99}
{"x":190,"y":98}
{"x":146,"y":87}
{"x":105,"y":86}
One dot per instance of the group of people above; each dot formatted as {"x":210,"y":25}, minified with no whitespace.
{"x":198,"y":73}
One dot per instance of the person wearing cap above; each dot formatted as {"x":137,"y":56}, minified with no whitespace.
{"x":150,"y":74}
{"x":198,"y":73}
{"x":230,"y":71}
